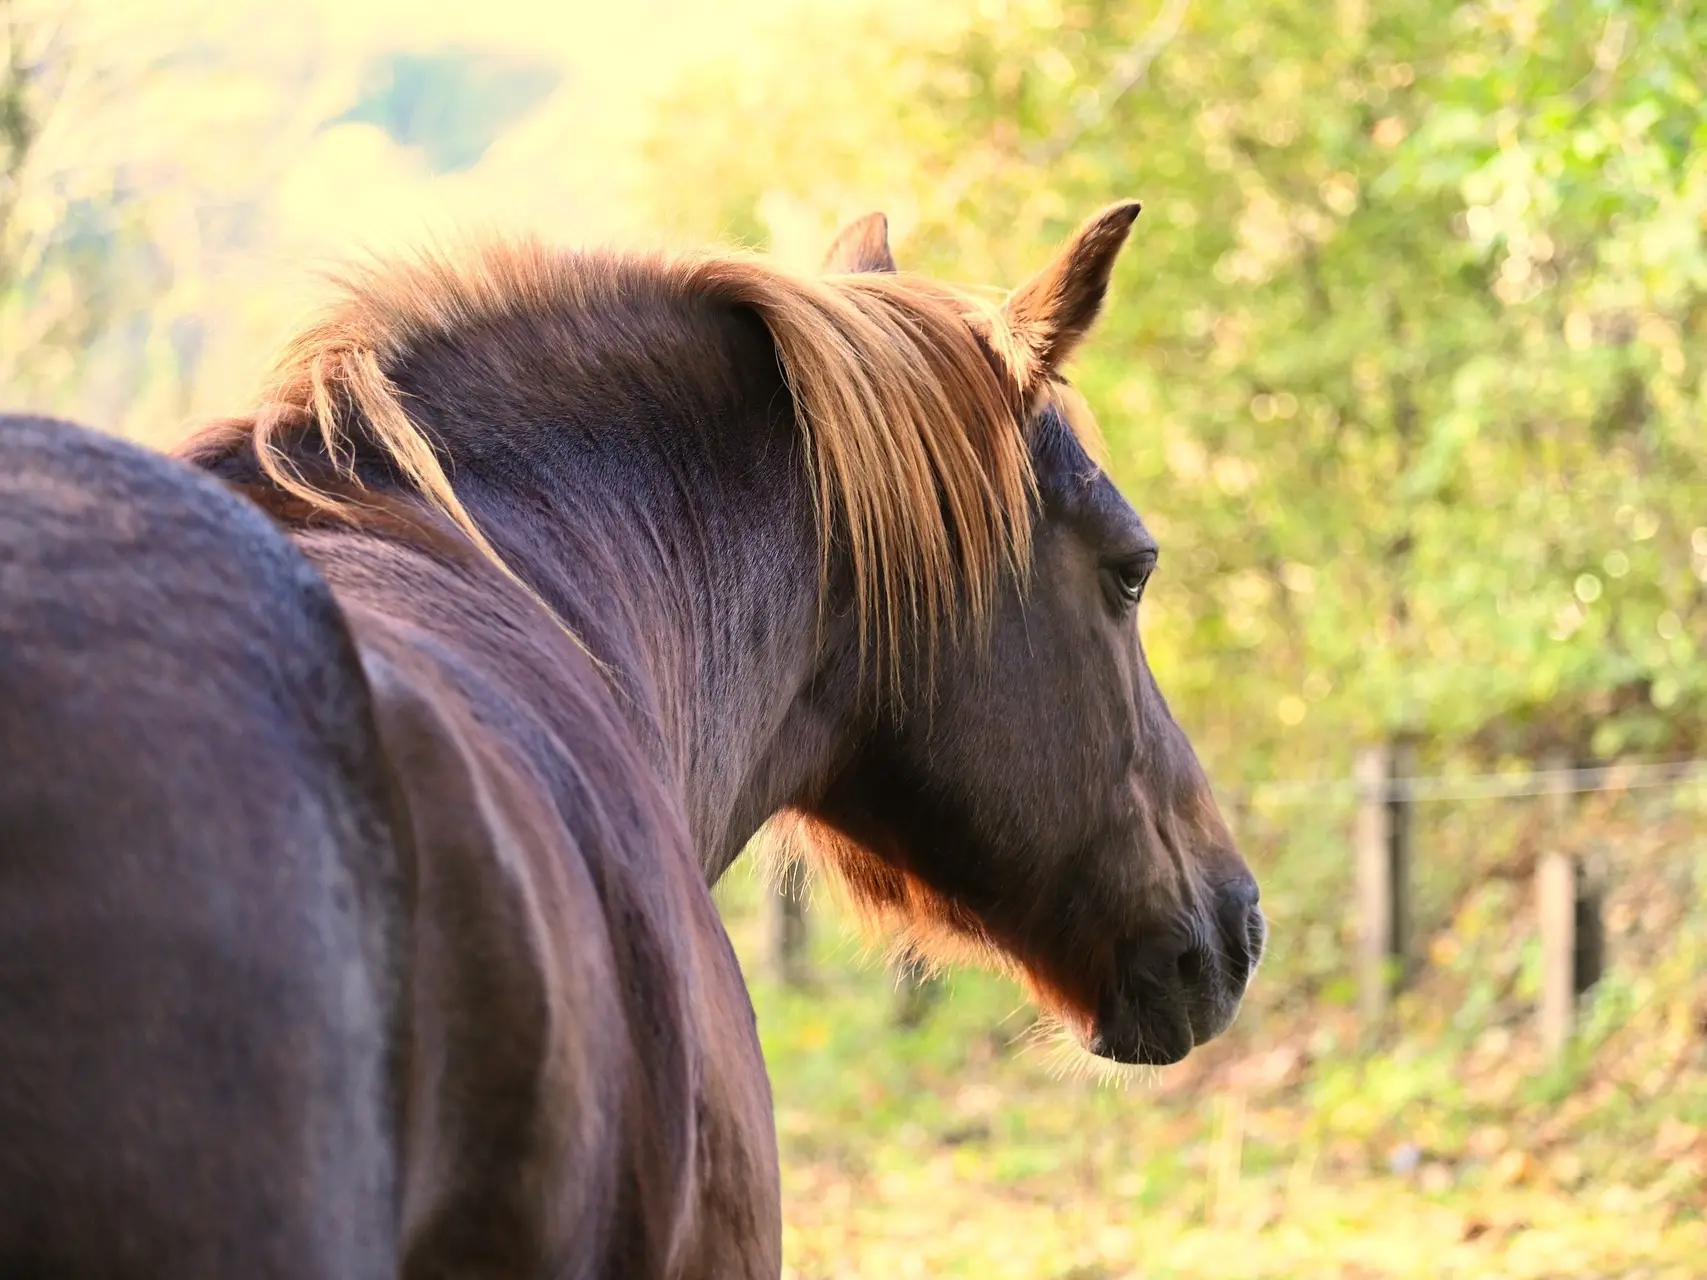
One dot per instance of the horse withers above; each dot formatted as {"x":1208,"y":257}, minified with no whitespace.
{"x":363,"y":770}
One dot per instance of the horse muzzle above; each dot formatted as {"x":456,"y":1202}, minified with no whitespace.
{"x":1181,"y":986}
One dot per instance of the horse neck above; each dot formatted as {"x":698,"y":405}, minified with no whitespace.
{"x":681,"y":549}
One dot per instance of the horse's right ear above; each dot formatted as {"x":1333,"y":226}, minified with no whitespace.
{"x":1054,"y":310}
{"x":863,"y":245}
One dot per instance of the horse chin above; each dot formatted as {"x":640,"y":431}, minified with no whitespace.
{"x":1152,"y":1034}
{"x":1168,"y":996}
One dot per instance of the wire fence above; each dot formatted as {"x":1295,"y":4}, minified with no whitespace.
{"x":1462,"y":787}
{"x":1606,"y":851}
{"x":1588,"y":865}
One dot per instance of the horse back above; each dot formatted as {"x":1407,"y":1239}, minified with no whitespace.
{"x":200,"y":904}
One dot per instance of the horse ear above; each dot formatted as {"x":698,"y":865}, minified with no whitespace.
{"x":863,"y":245}
{"x":1054,"y":310}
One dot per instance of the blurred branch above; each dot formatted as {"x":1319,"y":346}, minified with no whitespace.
{"x":1127,"y":74}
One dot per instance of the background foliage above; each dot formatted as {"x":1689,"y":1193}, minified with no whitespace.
{"x":1404,"y":364}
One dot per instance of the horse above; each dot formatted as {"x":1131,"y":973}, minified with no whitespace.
{"x":366,"y":761}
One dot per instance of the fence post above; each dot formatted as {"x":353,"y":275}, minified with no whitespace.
{"x":790,"y":929}
{"x":1568,"y":908}
{"x":1383,"y":839}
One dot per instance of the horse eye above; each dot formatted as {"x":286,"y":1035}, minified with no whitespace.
{"x":1130,"y":576}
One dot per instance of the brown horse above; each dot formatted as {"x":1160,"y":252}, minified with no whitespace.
{"x":363,"y":772}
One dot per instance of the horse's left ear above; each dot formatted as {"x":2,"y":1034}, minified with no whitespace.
{"x":863,"y":245}
{"x":1054,"y":310}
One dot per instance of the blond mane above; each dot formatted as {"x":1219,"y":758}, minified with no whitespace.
{"x":908,"y":395}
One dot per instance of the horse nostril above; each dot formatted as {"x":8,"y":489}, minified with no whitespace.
{"x":1241,"y":895}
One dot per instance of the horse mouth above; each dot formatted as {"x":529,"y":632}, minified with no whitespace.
{"x":1168,"y":998}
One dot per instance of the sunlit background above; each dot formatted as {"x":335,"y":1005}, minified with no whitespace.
{"x":1405,"y":366}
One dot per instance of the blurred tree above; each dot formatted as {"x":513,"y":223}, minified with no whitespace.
{"x":195,"y":164}
{"x":151,"y":147}
{"x":73,"y":263}
{"x":1405,"y":365}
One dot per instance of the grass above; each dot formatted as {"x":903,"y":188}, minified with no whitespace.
{"x":1449,"y":1147}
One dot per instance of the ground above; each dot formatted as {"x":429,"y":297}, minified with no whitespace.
{"x":1447,"y":1147}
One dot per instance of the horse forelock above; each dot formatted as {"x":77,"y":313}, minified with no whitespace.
{"x":911,"y":398}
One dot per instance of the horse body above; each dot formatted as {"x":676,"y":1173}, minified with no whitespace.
{"x":552,"y":585}
{"x":579,"y":1087}
{"x":561,"y":1071}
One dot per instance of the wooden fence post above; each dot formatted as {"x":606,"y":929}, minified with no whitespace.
{"x":1383,"y":839}
{"x":1568,"y":908}
{"x":790,"y":929}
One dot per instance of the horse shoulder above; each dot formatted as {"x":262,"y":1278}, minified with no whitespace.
{"x":507,"y":1095}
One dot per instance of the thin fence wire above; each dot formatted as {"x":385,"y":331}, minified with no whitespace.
{"x":1487,"y":786}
